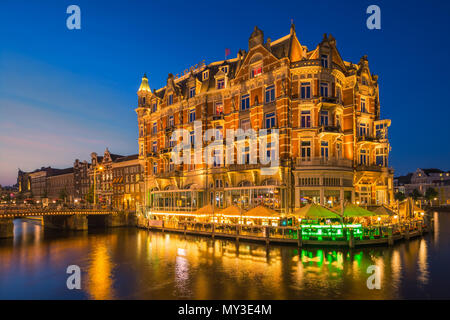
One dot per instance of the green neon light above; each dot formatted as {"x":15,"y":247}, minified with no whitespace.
{"x":333,"y":231}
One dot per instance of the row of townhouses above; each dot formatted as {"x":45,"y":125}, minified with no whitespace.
{"x":113,"y":180}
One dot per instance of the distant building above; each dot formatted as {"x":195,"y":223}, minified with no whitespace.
{"x":118,"y":180}
{"x":422,"y":179}
{"x":128,"y":183}
{"x":60,"y":185}
{"x":47,"y":182}
{"x":81,"y":180}
{"x":8,"y":193}
{"x":101,"y":176}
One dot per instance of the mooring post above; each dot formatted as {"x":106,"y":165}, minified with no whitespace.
{"x":299,"y":237}
{"x":162,"y":225}
{"x":6,"y":228}
{"x":390,"y":237}
{"x":267,"y":235}
{"x":213,"y":229}
{"x":407,"y":231}
{"x":238,"y":229}
{"x":419,"y":226}
{"x":185,"y":228}
{"x":351,"y":241}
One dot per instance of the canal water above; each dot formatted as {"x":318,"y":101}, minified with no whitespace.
{"x":128,"y":263}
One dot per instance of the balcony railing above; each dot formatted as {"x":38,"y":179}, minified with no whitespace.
{"x":170,"y":129}
{"x":152,"y":154}
{"x":166,"y":150}
{"x":329,"y":162}
{"x":217,"y":117}
{"x":247,"y":166}
{"x":367,"y":139}
{"x":330,"y":129}
{"x":371,"y":167}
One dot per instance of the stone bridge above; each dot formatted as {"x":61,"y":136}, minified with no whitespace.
{"x":68,"y":219}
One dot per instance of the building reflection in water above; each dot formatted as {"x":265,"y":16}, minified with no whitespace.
{"x":422,"y":262}
{"x":100,"y":277}
{"x":396,"y":268}
{"x":182,"y":273}
{"x":436,"y":228}
{"x":130,"y":263}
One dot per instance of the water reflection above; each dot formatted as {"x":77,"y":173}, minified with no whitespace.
{"x":137,"y":264}
{"x":100,"y":280}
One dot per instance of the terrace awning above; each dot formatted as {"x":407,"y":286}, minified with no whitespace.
{"x":231,"y":211}
{"x":315,"y":211}
{"x":381,"y":210}
{"x":208,"y":209}
{"x":262,"y":212}
{"x":354,"y":211}
{"x":407,"y":207}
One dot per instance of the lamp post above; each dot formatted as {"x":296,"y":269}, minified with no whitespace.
{"x":100,"y":168}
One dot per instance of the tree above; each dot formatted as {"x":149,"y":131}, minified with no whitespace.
{"x":63,"y":194}
{"x":415,"y":194}
{"x":400,"y":196}
{"x":430,"y":194}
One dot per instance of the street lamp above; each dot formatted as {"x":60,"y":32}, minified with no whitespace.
{"x":100,"y":168}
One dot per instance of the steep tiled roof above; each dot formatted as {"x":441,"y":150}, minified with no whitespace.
{"x":404,"y":179}
{"x":58,"y":172}
{"x":432,"y":170}
{"x":127,"y":158}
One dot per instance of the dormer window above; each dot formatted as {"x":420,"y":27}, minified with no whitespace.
{"x":170,"y":99}
{"x":205,"y":75}
{"x":155,"y":107}
{"x":192,"y":92}
{"x":221,"y":83}
{"x":224,"y":69}
{"x":256,"y":71}
{"x":324,"y":60}
{"x":364,"y":81}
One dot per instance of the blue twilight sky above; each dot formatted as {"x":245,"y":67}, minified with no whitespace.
{"x":65,"y":93}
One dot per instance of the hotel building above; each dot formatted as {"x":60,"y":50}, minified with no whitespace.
{"x":333,"y":144}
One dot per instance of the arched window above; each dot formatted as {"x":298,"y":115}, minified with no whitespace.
{"x":245,"y":183}
{"x":270,"y":182}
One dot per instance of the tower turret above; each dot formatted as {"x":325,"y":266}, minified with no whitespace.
{"x":144,"y":87}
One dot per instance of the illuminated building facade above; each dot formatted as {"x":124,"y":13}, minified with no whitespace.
{"x":118,"y":180}
{"x":127,"y":183}
{"x":47,"y":183}
{"x":333,"y":144}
